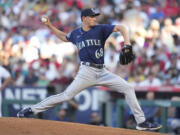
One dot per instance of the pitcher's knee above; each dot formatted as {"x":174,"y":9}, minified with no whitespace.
{"x":129,"y":88}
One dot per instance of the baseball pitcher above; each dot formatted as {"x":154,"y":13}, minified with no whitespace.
{"x":90,"y":40}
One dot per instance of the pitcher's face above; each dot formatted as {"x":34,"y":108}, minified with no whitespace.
{"x":90,"y":20}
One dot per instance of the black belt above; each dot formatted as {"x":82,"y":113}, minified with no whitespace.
{"x":99,"y":66}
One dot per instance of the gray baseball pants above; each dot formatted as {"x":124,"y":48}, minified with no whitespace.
{"x":87,"y":77}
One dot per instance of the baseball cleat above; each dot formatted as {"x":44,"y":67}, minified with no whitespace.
{"x":146,"y":125}
{"x":25,"y":113}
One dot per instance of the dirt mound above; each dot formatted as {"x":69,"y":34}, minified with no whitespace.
{"x":24,"y":126}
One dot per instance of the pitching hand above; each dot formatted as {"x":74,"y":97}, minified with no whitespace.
{"x":45,"y":20}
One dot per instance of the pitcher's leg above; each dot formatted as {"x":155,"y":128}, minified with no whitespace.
{"x":74,"y":88}
{"x":132,"y":101}
{"x":120,"y":85}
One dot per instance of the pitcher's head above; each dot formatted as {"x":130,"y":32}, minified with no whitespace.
{"x":88,"y":16}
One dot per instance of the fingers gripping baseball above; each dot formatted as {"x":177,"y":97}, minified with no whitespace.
{"x":45,"y":20}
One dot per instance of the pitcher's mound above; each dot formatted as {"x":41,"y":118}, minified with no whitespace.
{"x":24,"y":126}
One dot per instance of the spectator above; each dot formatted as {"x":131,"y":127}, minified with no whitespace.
{"x":172,"y":68}
{"x":153,"y":31}
{"x":96,"y":120}
{"x":42,"y":80}
{"x":177,"y":26}
{"x":51,"y":72}
{"x":31,"y":78}
{"x":61,"y":116}
{"x":19,"y":79}
{"x":4,"y":74}
{"x":71,"y":107}
{"x":171,"y":9}
{"x":151,"y":81}
{"x":167,"y":80}
{"x":150,"y":111}
{"x":175,"y":122}
{"x":136,"y":81}
{"x":167,"y":35}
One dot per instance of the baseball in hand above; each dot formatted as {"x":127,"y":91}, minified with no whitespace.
{"x":43,"y":19}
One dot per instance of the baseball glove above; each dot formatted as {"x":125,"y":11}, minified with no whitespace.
{"x":126,"y":55}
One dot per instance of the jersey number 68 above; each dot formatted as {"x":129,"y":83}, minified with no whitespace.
{"x":99,"y":53}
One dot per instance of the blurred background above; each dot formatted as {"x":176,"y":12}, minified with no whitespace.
{"x":42,"y":65}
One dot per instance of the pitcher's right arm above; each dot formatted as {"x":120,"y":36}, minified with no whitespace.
{"x":60,"y":34}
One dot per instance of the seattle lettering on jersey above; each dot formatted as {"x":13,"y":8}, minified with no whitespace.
{"x":89,"y":42}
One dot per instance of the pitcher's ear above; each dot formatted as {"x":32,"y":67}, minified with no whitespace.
{"x":82,"y":18}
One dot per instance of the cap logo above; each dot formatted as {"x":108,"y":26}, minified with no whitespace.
{"x":94,"y":10}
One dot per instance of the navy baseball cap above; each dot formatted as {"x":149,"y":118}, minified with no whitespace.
{"x":90,"y":12}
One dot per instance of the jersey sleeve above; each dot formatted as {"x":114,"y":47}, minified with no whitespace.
{"x":69,"y":37}
{"x":107,"y":30}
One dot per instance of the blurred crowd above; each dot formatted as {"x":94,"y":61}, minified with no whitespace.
{"x":36,"y":57}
